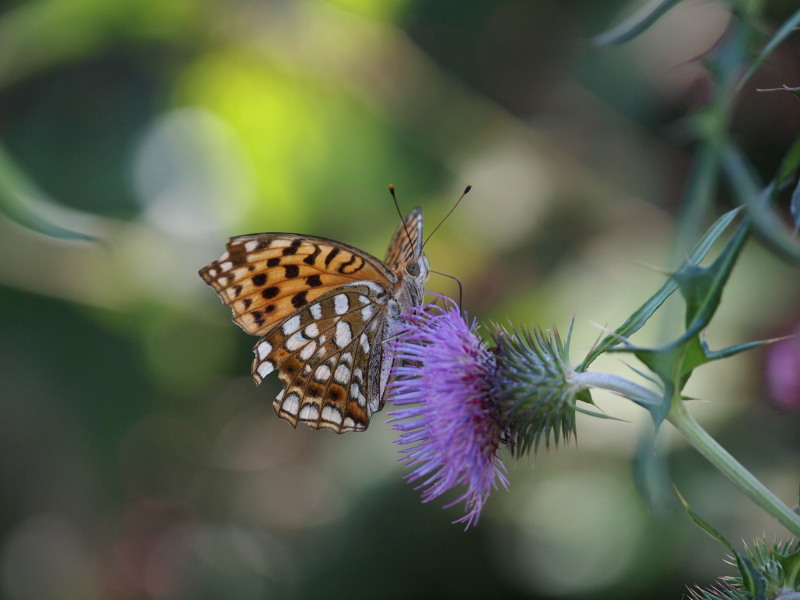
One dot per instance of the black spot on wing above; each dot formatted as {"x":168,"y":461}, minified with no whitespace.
{"x":299,"y":299}
{"x":270,"y":292}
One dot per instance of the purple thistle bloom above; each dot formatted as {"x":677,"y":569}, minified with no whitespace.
{"x":442,"y":387}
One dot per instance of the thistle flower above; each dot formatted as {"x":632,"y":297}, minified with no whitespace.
{"x":458,"y":401}
{"x":445,"y":412}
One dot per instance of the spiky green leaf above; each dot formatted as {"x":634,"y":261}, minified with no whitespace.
{"x":733,"y":350}
{"x":639,"y":317}
{"x":702,"y":287}
{"x":752,"y":579}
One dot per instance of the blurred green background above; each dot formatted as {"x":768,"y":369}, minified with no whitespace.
{"x":139,"y":460}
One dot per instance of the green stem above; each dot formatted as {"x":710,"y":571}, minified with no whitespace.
{"x":691,"y":430}
{"x":751,"y":487}
{"x":584,"y":380}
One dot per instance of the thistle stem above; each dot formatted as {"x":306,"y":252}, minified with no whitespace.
{"x":751,"y":487}
{"x":691,"y":430}
{"x":614,"y":383}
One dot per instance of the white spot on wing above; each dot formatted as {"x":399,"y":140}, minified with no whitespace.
{"x":312,"y":330}
{"x":264,"y":348}
{"x":251,"y":245}
{"x":323,"y":373}
{"x":308,"y":351}
{"x":366,"y":312}
{"x":376,"y":288}
{"x":331,"y":415}
{"x":341,"y":303}
{"x":341,"y":374}
{"x":265,"y":368}
{"x":292,"y":325}
{"x":226,"y":266}
{"x":294,"y":342}
{"x":344,"y":334}
{"x":364,"y":343}
{"x":358,"y":374}
{"x":291,"y":404}
{"x":363,"y":299}
{"x":309,"y":412}
{"x":316,"y":311}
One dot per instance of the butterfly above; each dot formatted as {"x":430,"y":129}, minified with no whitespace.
{"x":323,"y":310}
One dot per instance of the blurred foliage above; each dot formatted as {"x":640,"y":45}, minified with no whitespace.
{"x":139,"y":460}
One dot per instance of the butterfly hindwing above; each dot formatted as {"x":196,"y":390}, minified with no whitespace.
{"x":328,"y":356}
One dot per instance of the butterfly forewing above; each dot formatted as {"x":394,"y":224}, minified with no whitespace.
{"x":406,"y":244}
{"x":266,"y":277}
{"x":323,"y":310}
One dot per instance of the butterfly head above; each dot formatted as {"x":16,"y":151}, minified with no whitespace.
{"x":415,"y":275}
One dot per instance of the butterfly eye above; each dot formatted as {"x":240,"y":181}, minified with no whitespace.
{"x":412,"y":269}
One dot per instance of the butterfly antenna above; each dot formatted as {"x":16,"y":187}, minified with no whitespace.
{"x":457,"y":280}
{"x":450,"y":212}
{"x":400,"y":214}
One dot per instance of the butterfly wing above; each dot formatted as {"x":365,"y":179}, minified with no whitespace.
{"x":328,"y":356}
{"x":265,"y":278}
{"x":406,"y":243}
{"x":323,"y":310}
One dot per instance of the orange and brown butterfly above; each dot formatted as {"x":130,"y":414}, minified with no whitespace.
{"x":323,"y":310}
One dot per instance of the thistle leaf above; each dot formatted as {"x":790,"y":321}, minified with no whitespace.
{"x":639,"y":317}
{"x":752,"y":579}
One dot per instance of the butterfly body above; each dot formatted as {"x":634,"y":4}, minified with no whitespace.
{"x":323,"y":310}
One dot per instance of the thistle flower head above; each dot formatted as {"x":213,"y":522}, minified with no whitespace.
{"x":536,"y":392}
{"x":458,"y":401}
{"x":446,"y":417}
